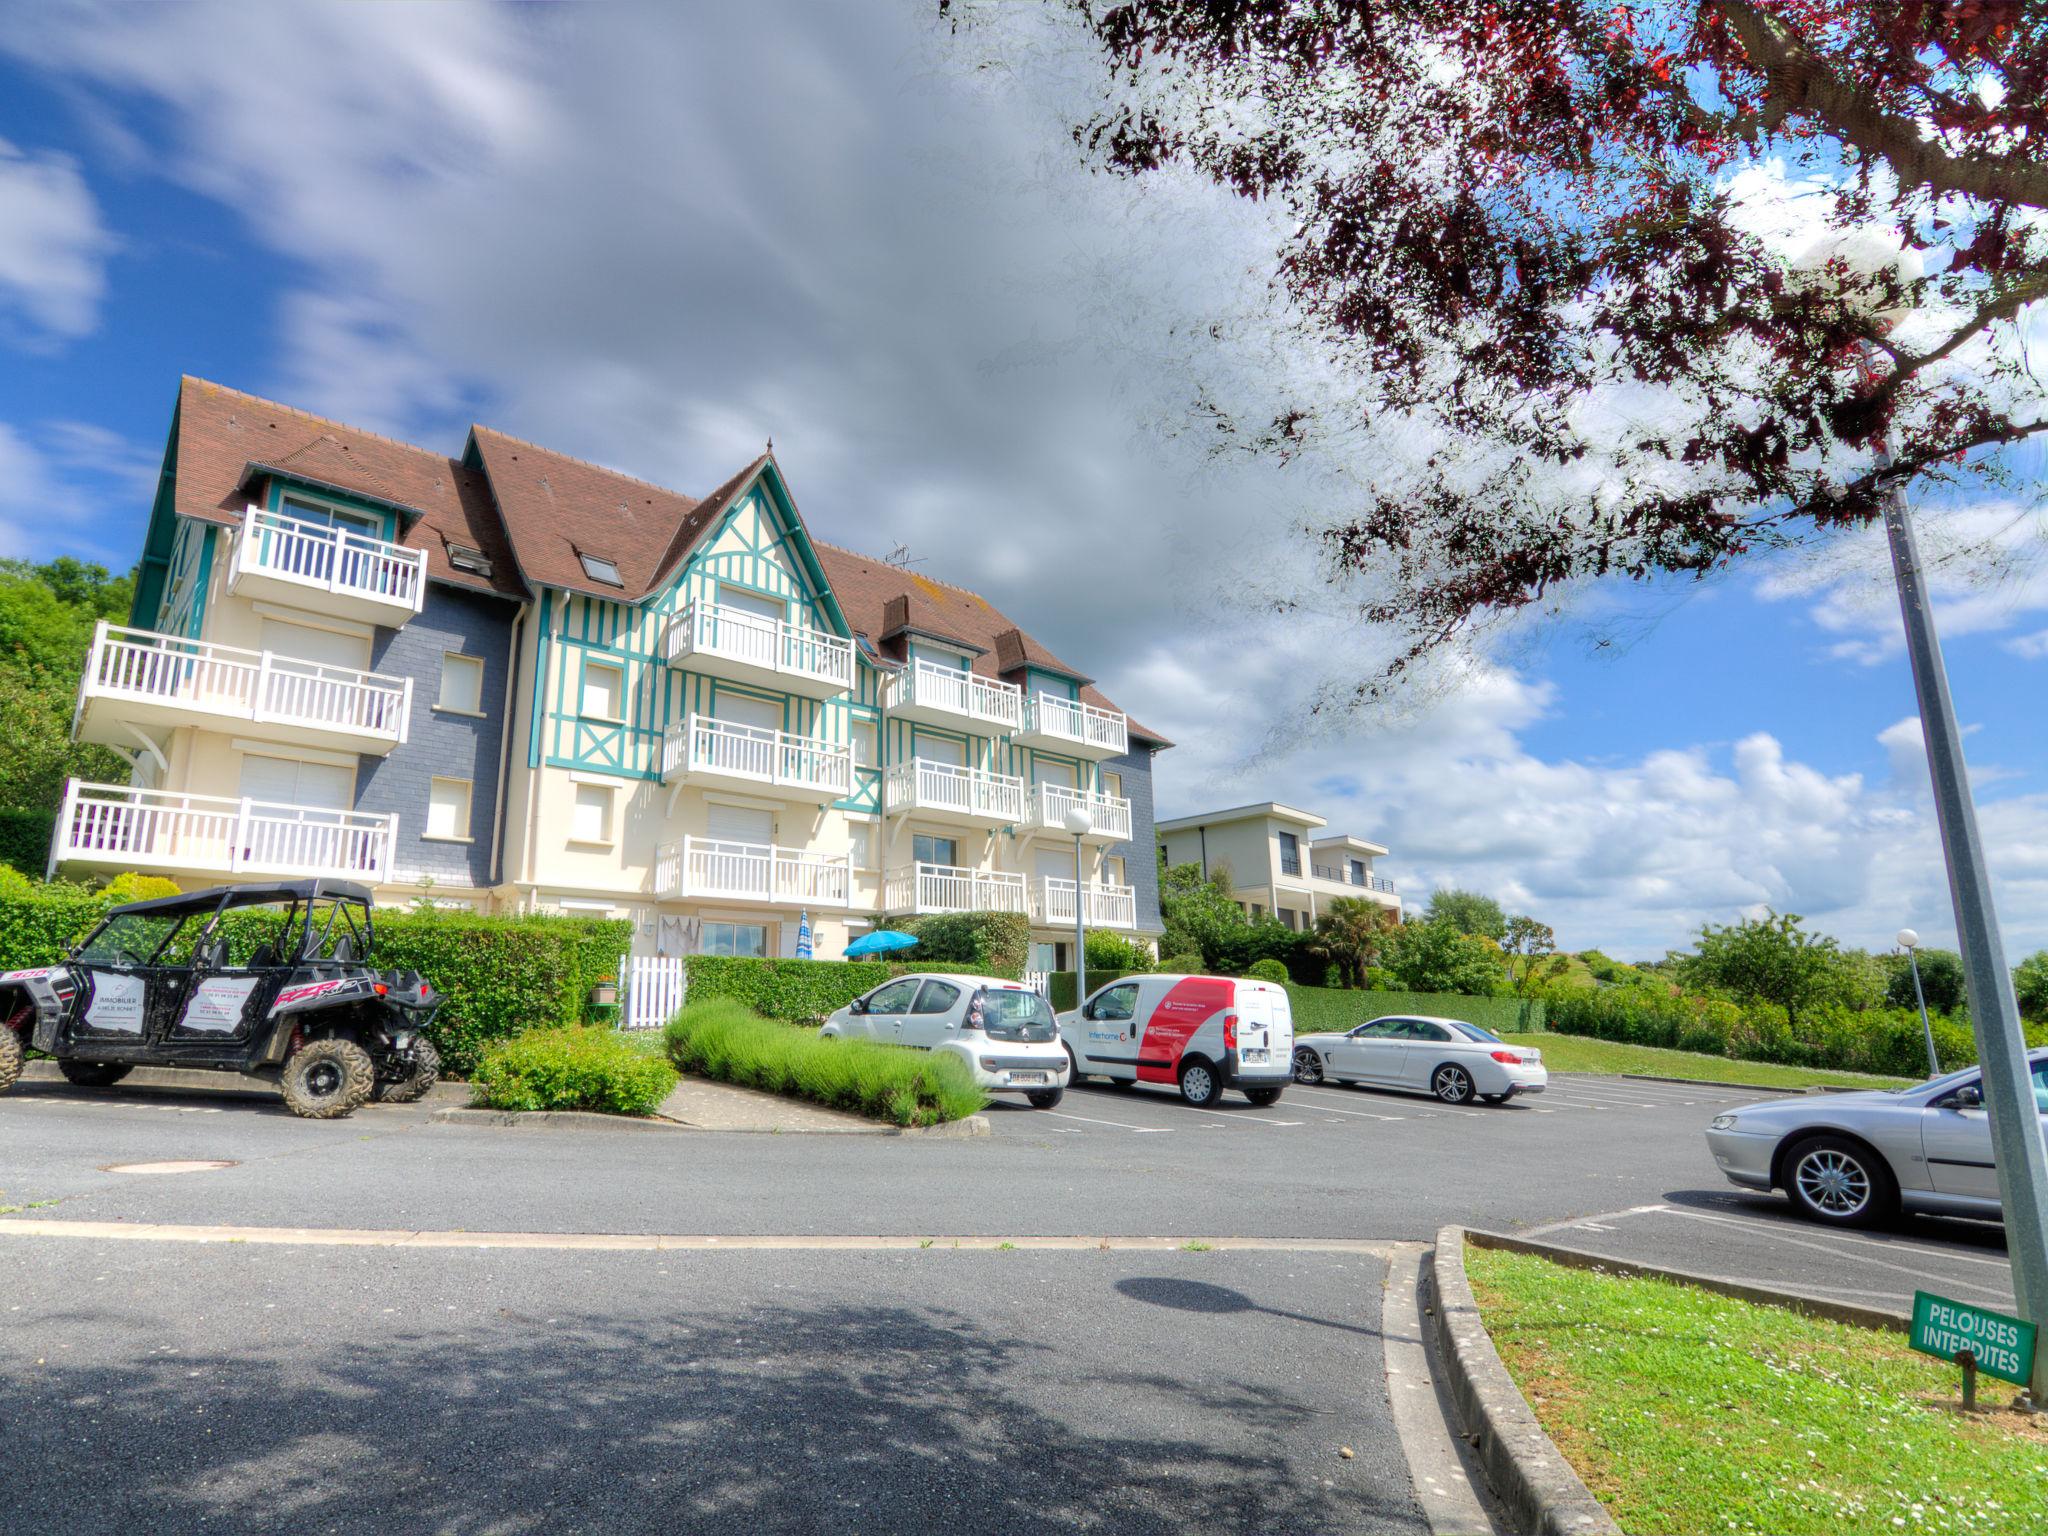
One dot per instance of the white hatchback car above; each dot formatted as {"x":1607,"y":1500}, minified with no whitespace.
{"x":1001,"y":1030}
{"x":1456,"y":1061}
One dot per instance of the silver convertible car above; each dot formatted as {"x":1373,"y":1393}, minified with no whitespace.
{"x":1854,"y":1159}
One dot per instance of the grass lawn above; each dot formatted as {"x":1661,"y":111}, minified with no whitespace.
{"x":1689,"y":1412}
{"x":1581,"y":1053}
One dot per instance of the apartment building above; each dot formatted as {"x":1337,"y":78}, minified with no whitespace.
{"x":1281,"y":860}
{"x":515,"y":681}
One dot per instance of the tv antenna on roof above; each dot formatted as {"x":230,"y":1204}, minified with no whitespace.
{"x":900,"y":559}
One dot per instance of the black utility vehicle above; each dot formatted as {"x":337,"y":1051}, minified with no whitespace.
{"x":273,"y":980}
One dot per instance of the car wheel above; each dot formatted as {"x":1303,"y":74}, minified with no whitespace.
{"x":1074,"y":1072}
{"x":327,"y":1079}
{"x":1840,"y":1182}
{"x":426,"y":1071}
{"x":10,"y":1056}
{"x":1199,"y":1084}
{"x":1125,"y":1084}
{"x":1263,"y":1096}
{"x":1047,"y":1099}
{"x":1308,"y":1066}
{"x":1451,"y":1083}
{"x":94,"y":1074}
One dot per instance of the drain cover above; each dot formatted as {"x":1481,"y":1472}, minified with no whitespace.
{"x":193,"y":1165}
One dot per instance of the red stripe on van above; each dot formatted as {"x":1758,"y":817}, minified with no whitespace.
{"x":1186,"y":1007}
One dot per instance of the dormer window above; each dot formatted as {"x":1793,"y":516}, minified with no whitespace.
{"x":598,"y":568}
{"x":464,"y":557}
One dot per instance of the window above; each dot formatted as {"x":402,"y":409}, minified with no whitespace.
{"x":448,"y":808}
{"x":465,"y":557}
{"x":894,"y":998}
{"x":864,"y":752}
{"x":935,"y":850}
{"x":604,"y":690}
{"x":863,"y":846}
{"x":301,"y":510}
{"x":1290,"y":853}
{"x":937,"y":997}
{"x":1112,"y":784}
{"x":1258,"y":911}
{"x":462,"y":684}
{"x":591,"y":819}
{"x":749,"y":939}
{"x":1119,"y":1002}
{"x":1358,"y":871}
{"x":1113,"y":871}
{"x":598,"y":568}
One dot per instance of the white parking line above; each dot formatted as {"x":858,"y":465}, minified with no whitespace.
{"x":1122,"y":1125}
{"x":1420,"y":1109}
{"x":1764,"y":1229}
{"x":1896,"y":1245}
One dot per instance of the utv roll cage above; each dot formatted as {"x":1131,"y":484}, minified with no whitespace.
{"x":305,"y":933}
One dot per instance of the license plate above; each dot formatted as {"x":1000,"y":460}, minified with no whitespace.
{"x":1027,"y":1077}
{"x":1256,"y":1053}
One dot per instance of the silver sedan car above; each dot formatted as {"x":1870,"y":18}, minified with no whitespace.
{"x":1854,"y":1159}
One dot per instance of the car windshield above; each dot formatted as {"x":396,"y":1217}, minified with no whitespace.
{"x":1473,"y":1032}
{"x":132,"y":938}
{"x":1017,"y":1015}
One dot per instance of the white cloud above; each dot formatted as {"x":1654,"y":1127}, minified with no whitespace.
{"x":53,"y":247}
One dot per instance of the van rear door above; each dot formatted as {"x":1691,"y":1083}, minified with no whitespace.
{"x":1265,"y":1028}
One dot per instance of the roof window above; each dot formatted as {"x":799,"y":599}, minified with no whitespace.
{"x":465,"y":557}
{"x":598,"y":568}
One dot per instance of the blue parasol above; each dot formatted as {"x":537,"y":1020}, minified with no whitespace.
{"x":803,"y":936}
{"x":880,"y":942}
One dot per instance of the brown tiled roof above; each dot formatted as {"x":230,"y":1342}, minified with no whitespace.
{"x":222,"y":432}
{"x":1016,"y":650}
{"x":869,"y":591}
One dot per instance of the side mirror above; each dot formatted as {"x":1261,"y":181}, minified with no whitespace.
{"x":1088,"y":1010}
{"x":858,"y":1005}
{"x":1969,"y":1096}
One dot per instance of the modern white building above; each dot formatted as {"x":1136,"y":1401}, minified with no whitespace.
{"x":1281,"y":860}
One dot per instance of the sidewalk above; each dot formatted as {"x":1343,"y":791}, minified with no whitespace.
{"x":708,"y":1106}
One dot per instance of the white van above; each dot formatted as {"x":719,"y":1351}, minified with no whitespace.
{"x":1201,"y":1034}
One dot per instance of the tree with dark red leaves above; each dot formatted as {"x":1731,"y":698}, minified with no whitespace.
{"x":1602,"y":274}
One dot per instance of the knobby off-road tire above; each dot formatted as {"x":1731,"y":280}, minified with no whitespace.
{"x":426,"y":1073}
{"x":328,"y":1079}
{"x":94,"y":1074}
{"x":10,"y":1056}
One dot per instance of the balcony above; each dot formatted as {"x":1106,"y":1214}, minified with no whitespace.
{"x":1336,"y":874}
{"x":122,"y":827}
{"x":725,"y":754}
{"x":1103,"y":906}
{"x":722,"y":641}
{"x":1047,"y":810}
{"x":756,"y":872}
{"x":328,"y":570}
{"x":968,"y":797}
{"x":922,"y":889}
{"x":1079,"y":730}
{"x":137,"y":677}
{"x":956,"y":699}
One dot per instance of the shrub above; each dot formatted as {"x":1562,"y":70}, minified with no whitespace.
{"x":37,"y":926}
{"x":722,"y":1038}
{"x":25,"y":836}
{"x":1113,"y":952}
{"x":1182,"y":965}
{"x":1267,"y":970}
{"x":1318,"y":1009}
{"x":800,"y":991}
{"x":137,"y":887}
{"x":991,"y":943}
{"x":574,"y":1068}
{"x":500,"y":975}
{"x":1436,"y":957}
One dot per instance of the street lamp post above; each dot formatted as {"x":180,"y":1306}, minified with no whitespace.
{"x":1909,"y":941}
{"x":1078,"y":822}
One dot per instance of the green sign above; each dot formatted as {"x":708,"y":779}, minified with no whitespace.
{"x":2004,"y":1346}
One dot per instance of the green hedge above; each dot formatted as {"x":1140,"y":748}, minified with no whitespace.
{"x":800,"y":991}
{"x":1886,"y":1041}
{"x":501,"y":975}
{"x":37,"y":929}
{"x":579,"y":1068}
{"x":1321,"y":1009}
{"x":25,"y":838}
{"x":991,"y":943}
{"x":721,"y":1038}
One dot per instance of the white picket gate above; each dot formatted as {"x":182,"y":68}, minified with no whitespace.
{"x":654,"y":990}
{"x":1039,"y":982}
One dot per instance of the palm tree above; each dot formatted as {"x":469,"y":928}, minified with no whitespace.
{"x":1350,"y":932}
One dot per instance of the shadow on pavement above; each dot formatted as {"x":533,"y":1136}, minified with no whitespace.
{"x":864,"y":1417}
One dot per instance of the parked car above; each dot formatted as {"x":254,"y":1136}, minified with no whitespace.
{"x":1001,"y":1030}
{"x":1456,"y":1061}
{"x":1201,"y":1034}
{"x":271,"y":980}
{"x":1855,"y":1159}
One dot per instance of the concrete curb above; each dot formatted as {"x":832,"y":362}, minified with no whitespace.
{"x":1852,"y":1313}
{"x":576,"y":1119}
{"x":196,"y":1080}
{"x":1714,"y":1082}
{"x":1543,"y":1495}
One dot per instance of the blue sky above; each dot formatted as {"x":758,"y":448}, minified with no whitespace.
{"x":599,"y":228}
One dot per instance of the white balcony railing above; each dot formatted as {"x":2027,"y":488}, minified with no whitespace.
{"x":1337,"y":874}
{"x":1111,"y":814}
{"x":259,"y":686}
{"x":922,"y":888}
{"x":702,"y":866}
{"x":705,"y":745}
{"x":1084,"y":725}
{"x":216,"y":834}
{"x":923,"y":785}
{"x":1103,"y":906}
{"x":956,"y":691}
{"x":754,"y":640}
{"x":329,"y":559}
